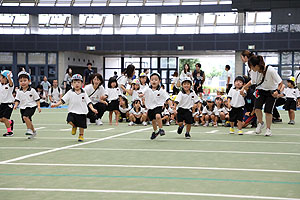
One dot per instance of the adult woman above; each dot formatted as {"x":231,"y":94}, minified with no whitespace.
{"x":126,"y":77}
{"x":267,"y":90}
{"x":185,"y":72}
{"x":68,"y":80}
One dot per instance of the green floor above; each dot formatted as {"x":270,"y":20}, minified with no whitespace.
{"x":211,"y":165}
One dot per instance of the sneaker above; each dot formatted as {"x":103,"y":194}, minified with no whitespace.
{"x":274,"y":120}
{"x":179,"y":130}
{"x":88,"y":121}
{"x":167,"y":123}
{"x":153,"y":136}
{"x":268,"y":132}
{"x":231,"y":130}
{"x":216,"y":125}
{"x":187,"y":135}
{"x":130,"y":124}
{"x":145,"y":123}
{"x":161,"y":132}
{"x":196,"y":123}
{"x":74,"y":129}
{"x":8,"y":134}
{"x":99,"y":122}
{"x":291,"y":122}
{"x":32,"y":135}
{"x":206,"y":124}
{"x":259,"y":127}
{"x":29,"y":132}
{"x":80,"y":138}
{"x":223,"y":124}
{"x":240,"y":132}
{"x":12,"y":124}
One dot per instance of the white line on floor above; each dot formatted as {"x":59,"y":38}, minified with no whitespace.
{"x":70,"y":146}
{"x":146,"y":192}
{"x":102,"y":130}
{"x":153,"y":167}
{"x":213,"y":131}
{"x":163,"y":150}
{"x":220,"y":141}
{"x":65,"y":129}
{"x":39,"y":128}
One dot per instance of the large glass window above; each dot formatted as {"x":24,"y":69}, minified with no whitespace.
{"x":6,"y":58}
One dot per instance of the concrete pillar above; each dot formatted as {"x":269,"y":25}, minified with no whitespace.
{"x":200,"y":22}
{"x":239,"y":65}
{"x":75,"y":26}
{"x":241,"y":22}
{"x":34,"y":24}
{"x":157,"y":23}
{"x":116,"y":24}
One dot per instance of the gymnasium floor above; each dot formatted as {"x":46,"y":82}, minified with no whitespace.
{"x":121,"y":162}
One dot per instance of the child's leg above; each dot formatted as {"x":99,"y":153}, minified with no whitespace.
{"x":131,"y":118}
{"x":207,"y":117}
{"x":188,"y":128}
{"x":222,"y":116}
{"x":158,"y":120}
{"x":6,"y":122}
{"x":214,"y":119}
{"x":28,"y":123}
{"x":81,"y":131}
{"x":154,"y":125}
{"x":239,"y":124}
{"x":292,"y":114}
{"x":231,"y":124}
{"x":110,"y":117}
{"x":117,"y":116}
{"x":144,"y":117}
{"x":259,"y":115}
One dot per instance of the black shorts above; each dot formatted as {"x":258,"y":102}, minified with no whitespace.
{"x":6,"y":110}
{"x":138,"y":120}
{"x":79,"y":120}
{"x":290,"y":104}
{"x":185,"y":115}
{"x":123,"y":115}
{"x":113,"y":105}
{"x":152,"y":112}
{"x":198,"y":90}
{"x":265,"y":97}
{"x":27,"y":112}
{"x":236,"y":114}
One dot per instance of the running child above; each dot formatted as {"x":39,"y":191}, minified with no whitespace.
{"x":155,"y":98}
{"x":137,"y":114}
{"x":236,"y":103}
{"x":6,"y":101}
{"x":113,"y":94}
{"x":186,"y":100}
{"x":28,"y":100}
{"x":210,"y":113}
{"x":79,"y":102}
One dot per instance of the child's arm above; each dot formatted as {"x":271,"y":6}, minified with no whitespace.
{"x":17,"y":102}
{"x":57,"y":104}
{"x":11,"y":83}
{"x":39,"y":105}
{"x":92,"y":108}
{"x":229,"y":105}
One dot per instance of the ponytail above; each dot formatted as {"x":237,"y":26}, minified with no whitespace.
{"x":257,"y":60}
{"x":247,"y":53}
{"x":129,"y":71}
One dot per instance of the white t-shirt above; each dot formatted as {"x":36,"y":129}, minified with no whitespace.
{"x":142,"y":87}
{"x":187,"y":74}
{"x":113,"y":94}
{"x":55,"y":93}
{"x":123,"y":80}
{"x":291,"y":93}
{"x":225,"y":110}
{"x":174,"y":81}
{"x":135,"y":95}
{"x":155,"y":98}
{"x":237,"y":100}
{"x":124,"y":110}
{"x":77,"y":102}
{"x":6,"y":93}
{"x":95,"y":98}
{"x":206,"y":111}
{"x":229,"y":74}
{"x":271,"y":81}
{"x":133,"y":111}
{"x":186,"y":101}
{"x":27,"y":98}
{"x":256,"y":77}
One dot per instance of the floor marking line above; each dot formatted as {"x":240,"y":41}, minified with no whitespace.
{"x":151,"y":177}
{"x":39,"y":128}
{"x":213,"y":131}
{"x":102,"y":130}
{"x":70,"y":146}
{"x":155,"y":167}
{"x":225,"y":141}
{"x":146,"y":192}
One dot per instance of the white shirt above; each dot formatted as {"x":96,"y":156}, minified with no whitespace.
{"x":229,"y":74}
{"x":186,"y":101}
{"x":55,"y":93}
{"x":142,"y":87}
{"x":237,"y":100}
{"x":271,"y":81}
{"x":95,"y":98}
{"x":123,"y":80}
{"x":6,"y":93}
{"x":124,"y":110}
{"x":113,"y":93}
{"x":174,"y":81}
{"x":187,"y":74}
{"x":225,"y":110}
{"x":134,"y":112}
{"x":256,"y":77}
{"x":155,"y":98}
{"x":77,"y":102}
{"x":27,"y":98}
{"x":209,"y":112}
{"x":291,"y":93}
{"x":135,"y":95}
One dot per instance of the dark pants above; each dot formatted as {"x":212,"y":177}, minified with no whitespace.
{"x":101,"y":108}
{"x":279,"y":102}
{"x":228,"y":88}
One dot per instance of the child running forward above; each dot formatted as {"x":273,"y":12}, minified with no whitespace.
{"x":78,"y":106}
{"x":186,"y":100}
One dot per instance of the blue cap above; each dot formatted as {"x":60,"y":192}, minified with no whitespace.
{"x":5,"y":73}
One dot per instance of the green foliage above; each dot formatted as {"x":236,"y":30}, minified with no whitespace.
{"x":215,"y":73}
{"x":192,"y":62}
